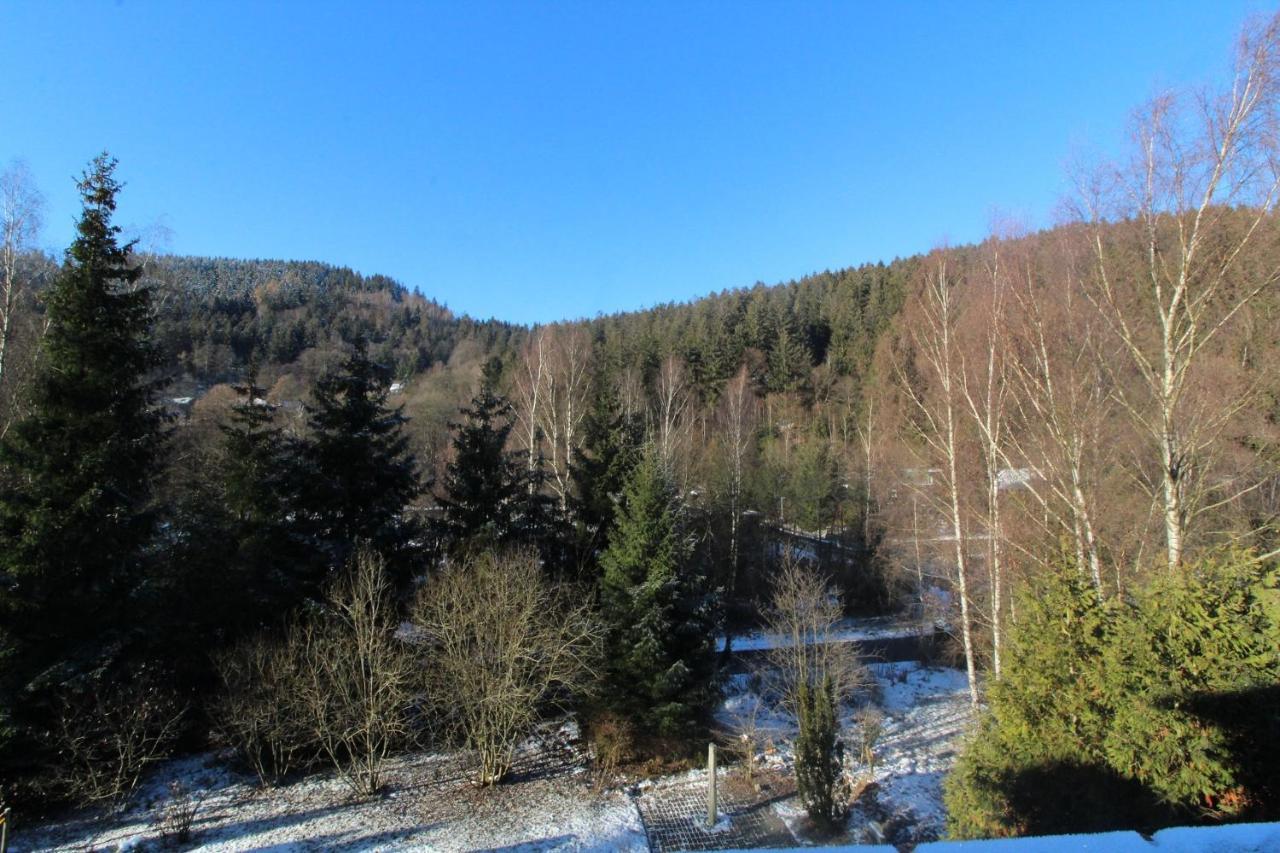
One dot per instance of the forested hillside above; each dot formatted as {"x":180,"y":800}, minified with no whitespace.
{"x":281,"y":507}
{"x":214,"y":315}
{"x":806,"y":341}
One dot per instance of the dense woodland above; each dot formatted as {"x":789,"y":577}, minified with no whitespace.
{"x":221,"y":478}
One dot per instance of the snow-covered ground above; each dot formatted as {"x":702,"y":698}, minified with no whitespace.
{"x":925,"y":712}
{"x":429,"y":804}
{"x":848,"y":631}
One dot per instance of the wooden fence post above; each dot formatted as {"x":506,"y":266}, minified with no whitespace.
{"x":711,"y":785}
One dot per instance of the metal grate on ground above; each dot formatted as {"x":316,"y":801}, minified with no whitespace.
{"x":675,"y":818}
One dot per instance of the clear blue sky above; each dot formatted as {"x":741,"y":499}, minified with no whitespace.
{"x":540,"y":160}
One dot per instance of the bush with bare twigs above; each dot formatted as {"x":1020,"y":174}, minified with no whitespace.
{"x":108,"y":735}
{"x":870,"y":722}
{"x":612,"y":740}
{"x":338,"y":686}
{"x":259,"y":712}
{"x":357,"y":676}
{"x":804,"y":612}
{"x":176,"y":819}
{"x":747,"y":734}
{"x":504,"y":644}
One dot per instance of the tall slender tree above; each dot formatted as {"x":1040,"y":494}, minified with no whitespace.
{"x":74,"y":504}
{"x":20,"y":205}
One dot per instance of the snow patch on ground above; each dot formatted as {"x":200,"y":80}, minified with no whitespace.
{"x":926,"y":714}
{"x":847,"y":631}
{"x":429,"y":805}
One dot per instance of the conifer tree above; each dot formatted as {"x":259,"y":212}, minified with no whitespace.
{"x":611,"y":448}
{"x":261,"y":482}
{"x":820,"y":755}
{"x":74,"y":507}
{"x":1046,"y":711}
{"x":789,"y":360}
{"x":660,"y":614}
{"x":360,"y":476}
{"x":483,"y":482}
{"x":1135,"y":713}
{"x":241,"y":561}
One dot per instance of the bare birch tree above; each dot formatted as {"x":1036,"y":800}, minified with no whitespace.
{"x":530,"y":387}
{"x":671,"y":404}
{"x":932,"y":334}
{"x":985,"y":391}
{"x":737,"y":416}
{"x":631,"y":392}
{"x":1063,"y":404}
{"x":20,"y":208}
{"x":568,"y":380}
{"x":1170,"y":278}
{"x":551,"y":394}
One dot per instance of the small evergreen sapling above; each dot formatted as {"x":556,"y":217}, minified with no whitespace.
{"x":820,"y":776}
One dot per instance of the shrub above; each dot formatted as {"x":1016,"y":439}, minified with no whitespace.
{"x":108,"y":734}
{"x":504,"y":644}
{"x":612,"y":744}
{"x":805,"y":609}
{"x":176,"y":818}
{"x":820,"y":776}
{"x":1190,"y":668}
{"x":1127,"y":714}
{"x":260,"y":712}
{"x":338,"y":686}
{"x":870,"y":728}
{"x":357,"y":676}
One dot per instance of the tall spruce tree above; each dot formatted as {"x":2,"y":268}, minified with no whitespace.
{"x":484,"y":483}
{"x":611,"y":448}
{"x":660,"y":614}
{"x":360,"y":476}
{"x":238,"y":561}
{"x":261,"y":481}
{"x":77,"y":473}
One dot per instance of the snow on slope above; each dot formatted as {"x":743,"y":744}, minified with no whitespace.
{"x":927,"y":712}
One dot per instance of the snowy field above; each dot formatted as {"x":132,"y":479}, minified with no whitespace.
{"x":549,"y":805}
